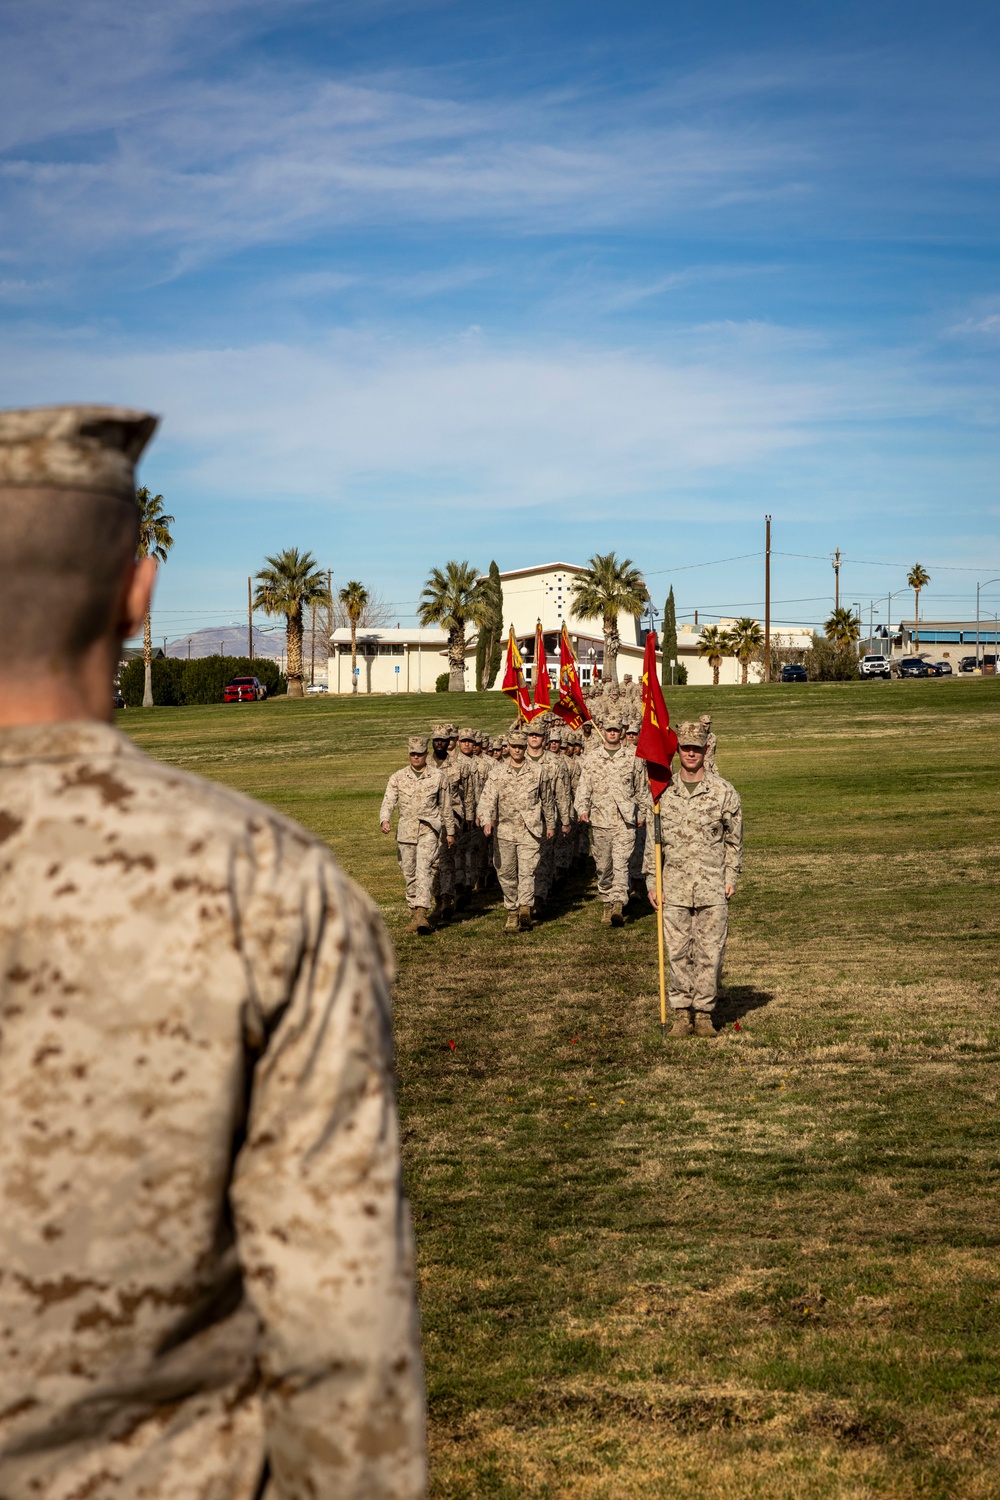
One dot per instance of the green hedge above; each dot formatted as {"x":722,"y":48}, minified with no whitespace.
{"x":201,"y":680}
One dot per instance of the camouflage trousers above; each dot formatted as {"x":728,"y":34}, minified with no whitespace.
{"x":635,"y":864}
{"x":695,"y":939}
{"x":516,"y":867}
{"x":419,"y":863}
{"x":612,"y":851}
{"x":446,"y":867}
{"x":565,"y":850}
{"x":465,"y":855}
{"x":546,"y":868}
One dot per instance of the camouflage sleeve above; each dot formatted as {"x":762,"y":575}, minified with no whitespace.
{"x":584,"y":793}
{"x":489,"y":802}
{"x":323,"y":1228}
{"x":547,"y":800}
{"x":390,"y":800}
{"x":732,"y":835}
{"x":447,"y":805}
{"x":564,"y":796}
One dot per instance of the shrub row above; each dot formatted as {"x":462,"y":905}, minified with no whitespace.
{"x":178,"y":681}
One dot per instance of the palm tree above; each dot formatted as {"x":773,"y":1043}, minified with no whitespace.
{"x":843,"y":626}
{"x":291,"y":580}
{"x":354,"y":597}
{"x":714,"y":643}
{"x":154,"y":541}
{"x":918,"y":578}
{"x":746,"y":639}
{"x":453,"y":599}
{"x":606,"y":589}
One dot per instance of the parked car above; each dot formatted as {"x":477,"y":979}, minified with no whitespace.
{"x":244,"y":690}
{"x":316,"y":687}
{"x":119,"y":701}
{"x":874,"y":665}
{"x":967,"y":664}
{"x":942,"y":668}
{"x":794,"y":671}
{"x":914,"y":666}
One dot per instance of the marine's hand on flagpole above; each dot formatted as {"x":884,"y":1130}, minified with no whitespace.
{"x":653,"y":900}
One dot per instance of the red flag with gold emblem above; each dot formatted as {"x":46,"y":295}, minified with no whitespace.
{"x":571,"y":707}
{"x":513,"y":683}
{"x":543,"y":700}
{"x":657,"y":743}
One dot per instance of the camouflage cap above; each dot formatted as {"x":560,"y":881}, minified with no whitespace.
{"x":634,"y":727}
{"x":91,"y":448}
{"x":496,"y":743}
{"x":705,"y":719}
{"x":467,"y":734}
{"x":416,"y":745}
{"x":517,"y":737}
{"x":536,"y":727}
{"x":555,"y":733}
{"x":613,"y":721}
{"x":690,"y":733}
{"x":440,"y":732}
{"x":453,"y":731}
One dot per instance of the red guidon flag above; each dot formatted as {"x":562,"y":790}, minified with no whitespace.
{"x":657,"y":743}
{"x":513,"y":679}
{"x":543,"y":701}
{"x":571,"y":707}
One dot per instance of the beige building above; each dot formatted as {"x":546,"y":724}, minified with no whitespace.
{"x":410,"y":661}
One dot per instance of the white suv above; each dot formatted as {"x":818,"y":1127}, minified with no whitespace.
{"x":873,"y":665}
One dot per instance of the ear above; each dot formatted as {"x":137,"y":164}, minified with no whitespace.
{"x":137,"y":596}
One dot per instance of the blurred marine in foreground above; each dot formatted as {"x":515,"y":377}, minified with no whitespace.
{"x":206,"y":1280}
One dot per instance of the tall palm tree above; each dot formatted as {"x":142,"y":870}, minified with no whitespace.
{"x":714,"y":643}
{"x":453,"y":599}
{"x":156,"y":541}
{"x":843,"y":626}
{"x":746,"y":639}
{"x":291,"y":580}
{"x":354,"y":596}
{"x":918,"y":578}
{"x":606,"y":589}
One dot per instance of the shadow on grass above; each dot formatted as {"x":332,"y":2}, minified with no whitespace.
{"x":737,"y":1000}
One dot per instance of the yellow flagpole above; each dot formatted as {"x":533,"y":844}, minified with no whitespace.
{"x":659,"y":921}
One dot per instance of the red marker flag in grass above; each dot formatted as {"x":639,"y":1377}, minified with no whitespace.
{"x":513,"y":678}
{"x":571,"y":707}
{"x":543,"y":702}
{"x":657,"y":743}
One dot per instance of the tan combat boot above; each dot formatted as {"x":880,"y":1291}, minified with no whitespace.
{"x":420,"y":922}
{"x":524,"y":918}
{"x":683,"y":1025}
{"x":703,"y":1023}
{"x":617,"y":915}
{"x":606,"y":916}
{"x":511,"y":923}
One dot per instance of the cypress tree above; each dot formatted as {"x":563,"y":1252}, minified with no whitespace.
{"x":668,"y":639}
{"x":489,"y":647}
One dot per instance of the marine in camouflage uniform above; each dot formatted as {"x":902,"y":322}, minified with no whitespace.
{"x":482,"y":766}
{"x":558,"y":781}
{"x":612,"y":796}
{"x":422,"y":796}
{"x":467,"y":776}
{"x":455,"y":774}
{"x":705,"y":720}
{"x":519,"y":804}
{"x":701,"y":823}
{"x":636,"y":883}
{"x":207,"y":1269}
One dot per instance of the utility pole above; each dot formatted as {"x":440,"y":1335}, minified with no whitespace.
{"x":767,"y":598}
{"x":329,"y":622}
{"x":312,"y":649}
{"x":249,"y":619}
{"x":836,"y":579}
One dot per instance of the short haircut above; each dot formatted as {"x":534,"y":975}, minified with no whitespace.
{"x":63,"y":556}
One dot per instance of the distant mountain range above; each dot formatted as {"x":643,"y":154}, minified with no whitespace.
{"x":231,"y":640}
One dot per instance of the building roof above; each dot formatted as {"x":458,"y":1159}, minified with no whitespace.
{"x":391,"y":635}
{"x":553,"y":567}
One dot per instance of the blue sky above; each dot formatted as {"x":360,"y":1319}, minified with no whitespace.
{"x":524,"y":281}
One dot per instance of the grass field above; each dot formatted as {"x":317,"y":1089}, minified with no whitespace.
{"x":763,"y":1265}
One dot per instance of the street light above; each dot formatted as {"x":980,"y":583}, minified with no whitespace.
{"x":856,"y":604}
{"x":980,"y":586}
{"x":888,"y":614}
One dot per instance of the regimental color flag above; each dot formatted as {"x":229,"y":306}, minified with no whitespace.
{"x":543,"y":701}
{"x":513,"y":679}
{"x":571,"y":707}
{"x":657,"y":743}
